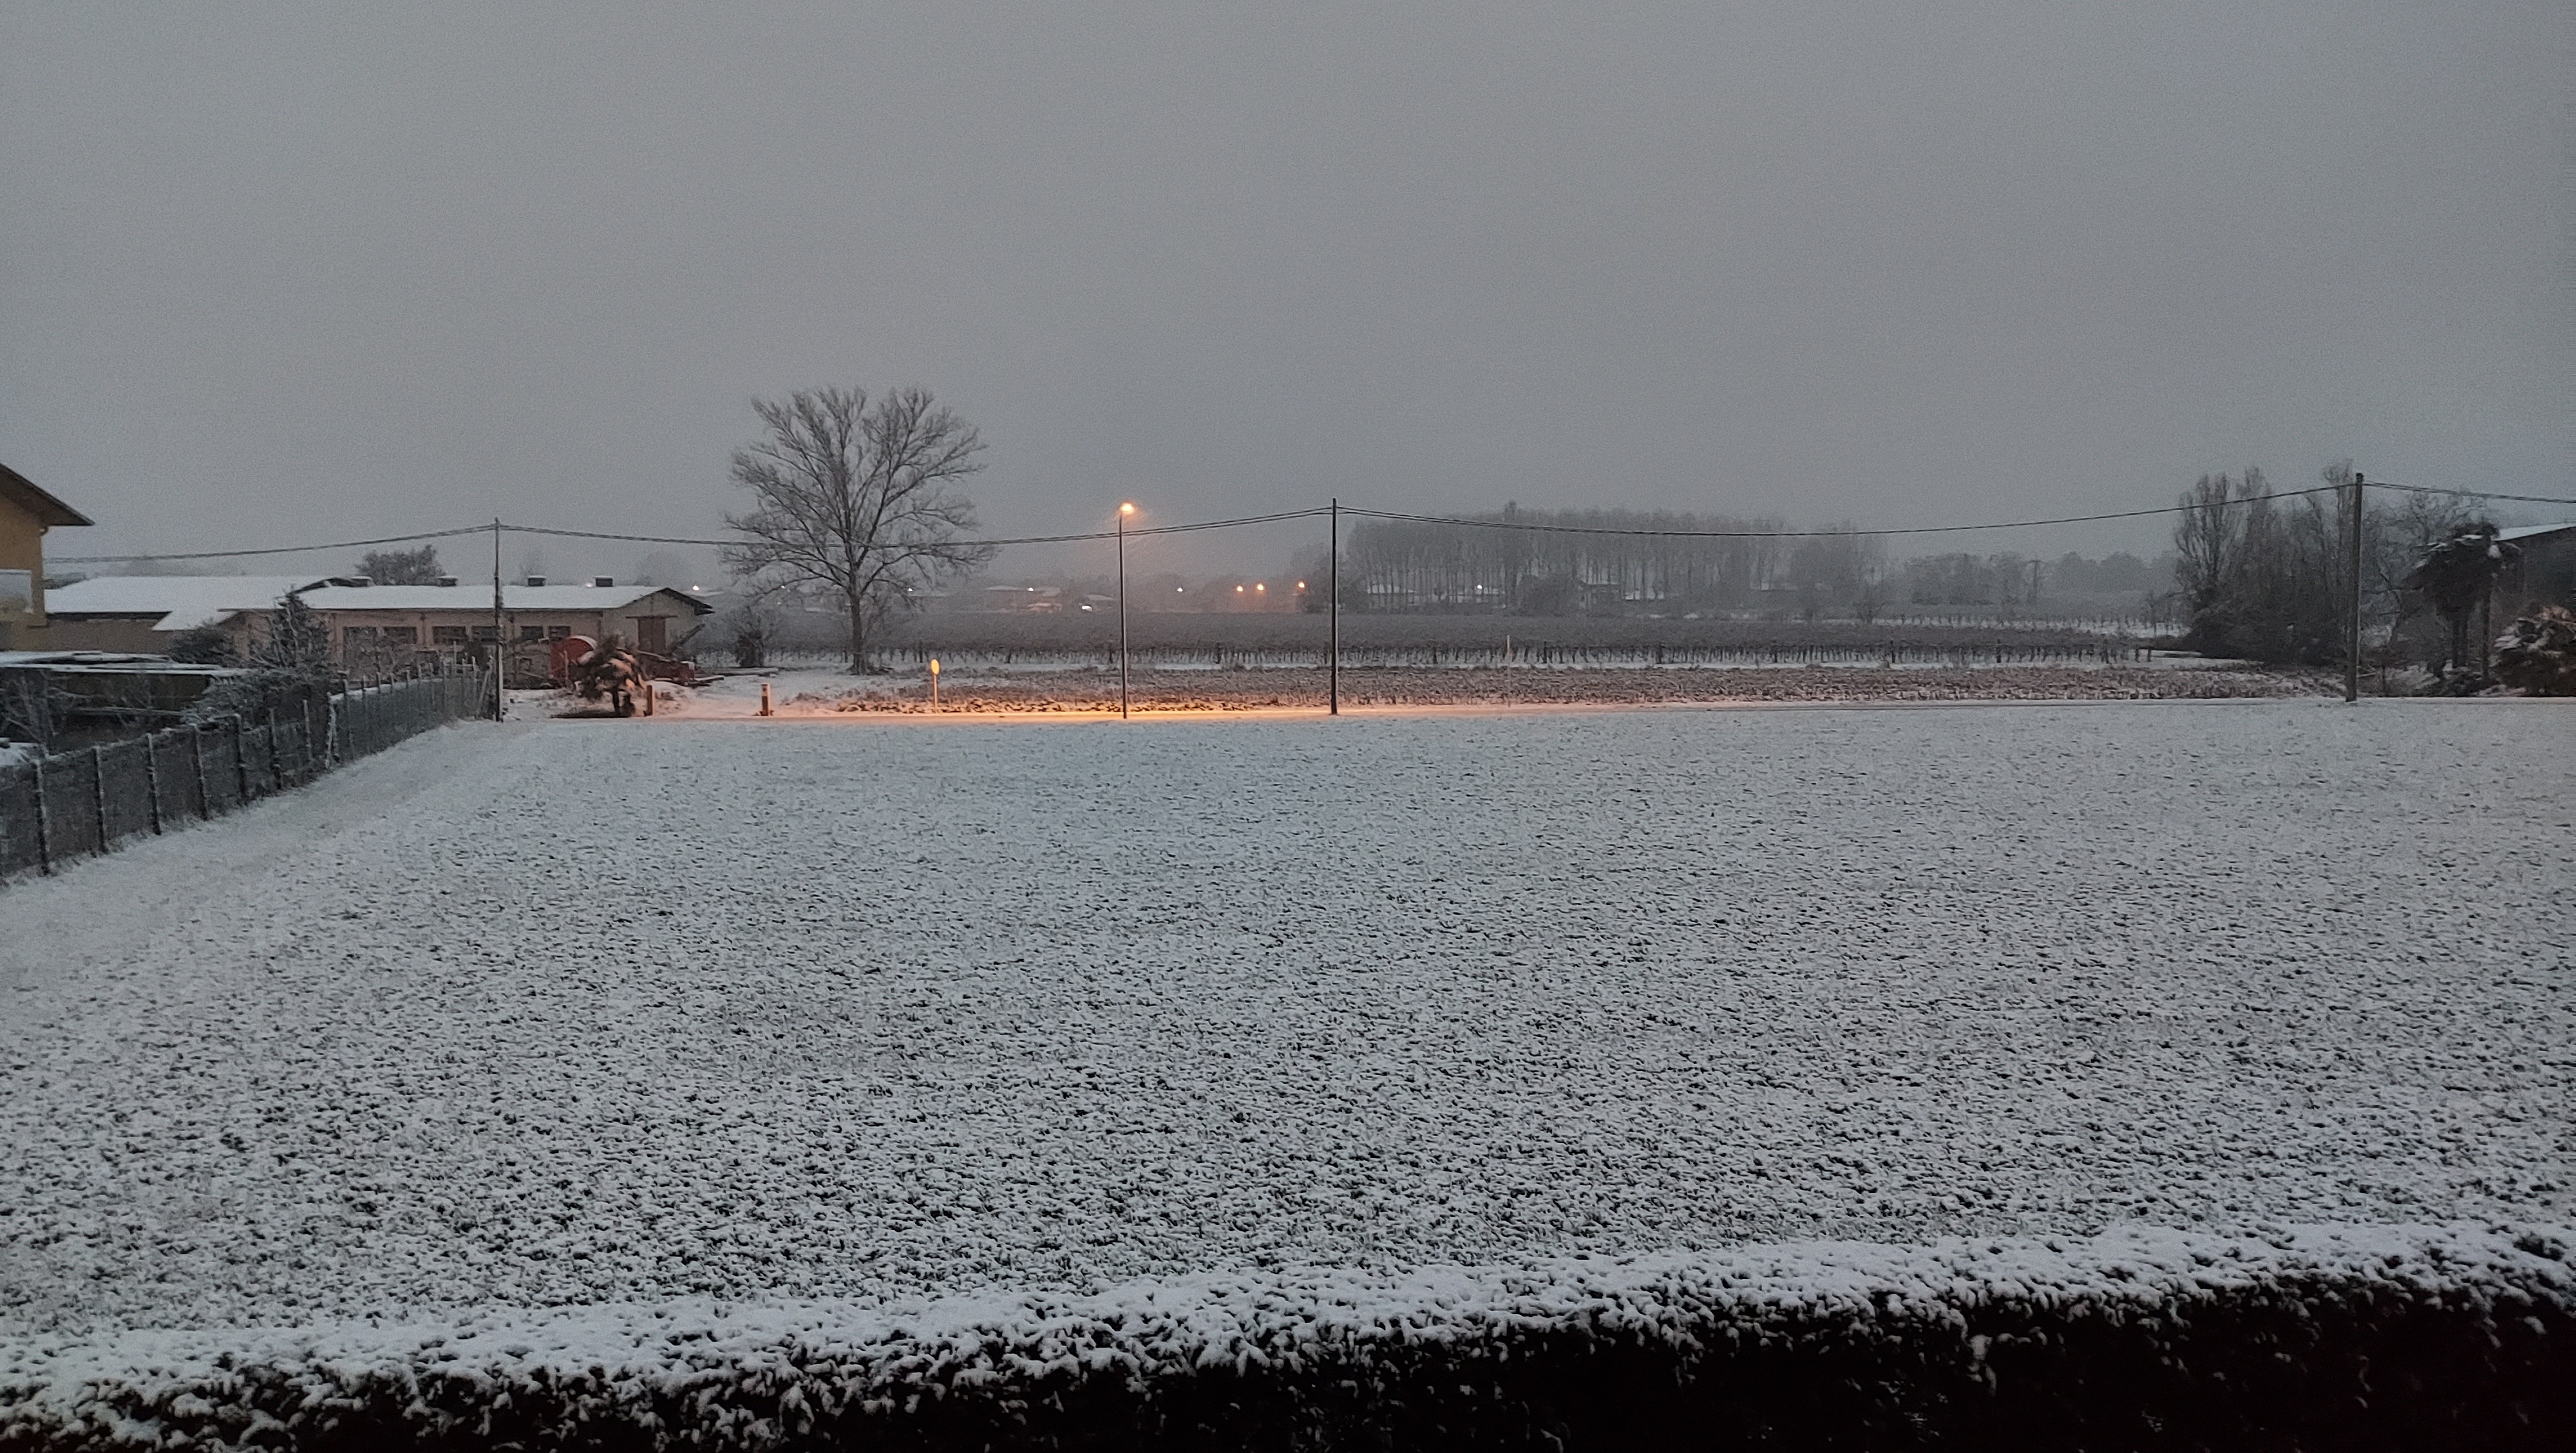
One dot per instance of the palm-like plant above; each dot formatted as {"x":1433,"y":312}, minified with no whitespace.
{"x":2455,"y":575}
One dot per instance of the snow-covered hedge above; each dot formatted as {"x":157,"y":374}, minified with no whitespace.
{"x":2309,"y":1337}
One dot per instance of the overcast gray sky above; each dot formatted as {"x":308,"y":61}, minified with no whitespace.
{"x":289,"y":272}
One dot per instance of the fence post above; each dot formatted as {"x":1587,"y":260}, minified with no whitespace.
{"x":152,"y":776}
{"x":197,"y":754}
{"x":44,"y":822}
{"x":98,"y":790}
{"x":241,"y":761}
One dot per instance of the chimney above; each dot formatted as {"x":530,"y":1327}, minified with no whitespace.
{"x":535,"y":581}
{"x":603,"y":580}
{"x":447,"y":580}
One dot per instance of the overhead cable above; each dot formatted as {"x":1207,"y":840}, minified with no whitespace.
{"x":2527,"y":499}
{"x":1501,"y":524}
{"x":277,"y":550}
{"x":1318,"y":511}
{"x":1012,"y":540}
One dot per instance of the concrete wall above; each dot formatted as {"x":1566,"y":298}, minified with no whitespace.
{"x":2545,"y":575}
{"x":22,"y":548}
{"x":104,"y":633}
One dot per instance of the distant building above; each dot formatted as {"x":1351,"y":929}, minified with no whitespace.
{"x":396,"y":623}
{"x":145,"y":613}
{"x":1035,"y":600}
{"x":371,"y":627}
{"x":26,"y":513}
{"x":2543,"y":574}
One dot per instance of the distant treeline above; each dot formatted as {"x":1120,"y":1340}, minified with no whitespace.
{"x":1706,"y":562}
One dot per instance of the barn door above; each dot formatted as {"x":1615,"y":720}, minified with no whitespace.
{"x":648,"y":634}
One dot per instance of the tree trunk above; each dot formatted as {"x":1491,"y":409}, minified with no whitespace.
{"x":858,"y":635}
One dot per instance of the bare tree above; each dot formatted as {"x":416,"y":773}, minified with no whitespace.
{"x":860,"y":499}
{"x":32,"y":708}
{"x":2208,"y":538}
{"x":402,"y":567}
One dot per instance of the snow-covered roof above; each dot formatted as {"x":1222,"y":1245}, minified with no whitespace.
{"x":478,"y":596}
{"x":2525,"y":532}
{"x":180,"y":601}
{"x":120,"y":660}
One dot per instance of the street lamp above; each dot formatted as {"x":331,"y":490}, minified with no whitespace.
{"x":1124,"y":511}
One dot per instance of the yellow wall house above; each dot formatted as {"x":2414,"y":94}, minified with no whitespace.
{"x":26,"y":513}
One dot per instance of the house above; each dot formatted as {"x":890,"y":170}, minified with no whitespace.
{"x":145,"y":613}
{"x":26,"y":513}
{"x":2543,"y":573}
{"x":371,"y":627}
{"x":383,"y":626}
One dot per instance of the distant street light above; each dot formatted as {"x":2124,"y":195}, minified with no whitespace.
{"x":1124,"y":511}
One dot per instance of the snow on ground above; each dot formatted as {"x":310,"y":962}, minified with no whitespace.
{"x":810,"y":690}
{"x":1396,"y":1343}
{"x":616,"y":1012}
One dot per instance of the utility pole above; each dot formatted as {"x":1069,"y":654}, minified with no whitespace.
{"x":500,"y":704}
{"x":1333,"y":614}
{"x":2352,"y":596}
{"x":1124,"y":511}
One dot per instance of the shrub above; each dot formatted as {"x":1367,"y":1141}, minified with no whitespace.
{"x":2537,"y":654}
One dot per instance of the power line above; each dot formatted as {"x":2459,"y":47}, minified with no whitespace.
{"x":1012,"y":540}
{"x":277,"y":550}
{"x":2527,"y":499}
{"x":1497,"y":524}
{"x":2174,"y":509}
{"x":1315,"y":513}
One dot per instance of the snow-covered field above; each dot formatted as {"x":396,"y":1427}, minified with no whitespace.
{"x":567,"y":1014}
{"x":809,"y":690}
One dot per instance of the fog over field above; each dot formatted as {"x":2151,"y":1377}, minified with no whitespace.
{"x":313,"y":272}
{"x":1326,"y":726}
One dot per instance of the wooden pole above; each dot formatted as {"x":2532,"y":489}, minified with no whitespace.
{"x":44,"y":821}
{"x":152,"y":776}
{"x":2352,"y":598}
{"x":1122,"y":610}
{"x":197,"y":758}
{"x":499,"y":703}
{"x":1333,"y":614}
{"x":98,"y":794}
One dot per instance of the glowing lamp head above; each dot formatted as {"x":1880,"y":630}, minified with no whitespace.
{"x":1126,"y":509}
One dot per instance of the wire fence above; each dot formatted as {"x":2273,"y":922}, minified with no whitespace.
{"x":70,"y":805}
{"x":1532,"y":653}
